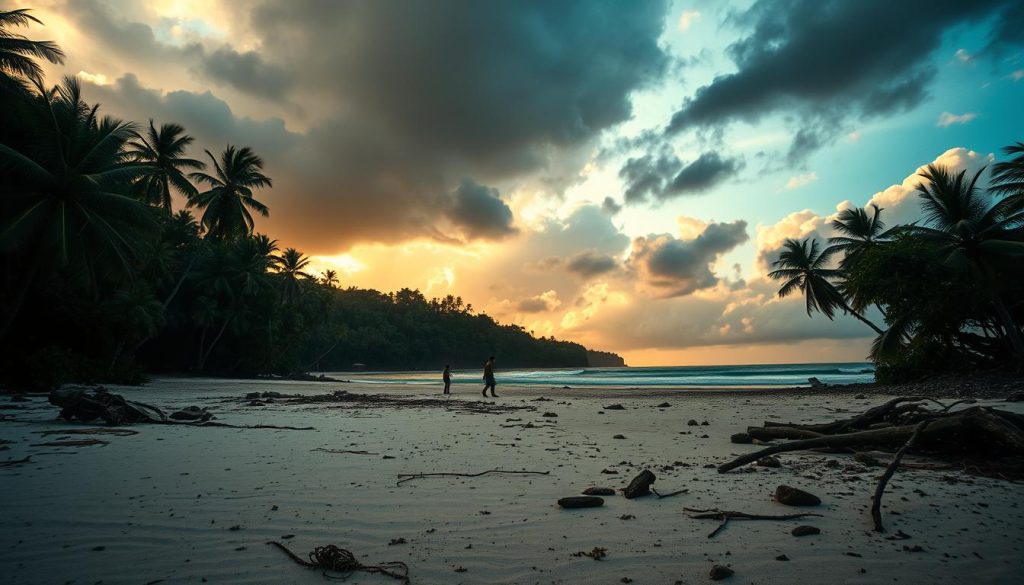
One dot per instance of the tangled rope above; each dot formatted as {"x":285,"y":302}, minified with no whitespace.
{"x":341,"y":561}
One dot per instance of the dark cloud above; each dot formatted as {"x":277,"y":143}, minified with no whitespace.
{"x":247,"y":72}
{"x":590,"y":263}
{"x":403,"y":100}
{"x":540,"y":303}
{"x":611,"y":206}
{"x":700,"y":175}
{"x":664,"y":176}
{"x":479,"y":212}
{"x":1007,"y":31}
{"x":673,"y":267}
{"x":828,"y":62}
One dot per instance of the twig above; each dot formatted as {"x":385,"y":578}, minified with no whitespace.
{"x":670,"y":494}
{"x":726,"y":515}
{"x":341,"y":451}
{"x":876,"y":500}
{"x":404,"y":477}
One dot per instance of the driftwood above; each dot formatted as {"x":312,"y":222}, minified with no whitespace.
{"x":725,"y":515}
{"x":404,"y":477}
{"x":983,"y":440}
{"x":876,"y":500}
{"x":640,"y":486}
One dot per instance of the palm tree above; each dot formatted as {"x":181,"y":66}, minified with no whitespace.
{"x":227,"y":203}
{"x":329,"y":278}
{"x":291,"y":265}
{"x":1008,"y":179}
{"x":164,"y":151}
{"x":805,"y":267}
{"x":66,"y":204}
{"x":974,"y":236}
{"x":860,"y":232}
{"x":18,"y":54}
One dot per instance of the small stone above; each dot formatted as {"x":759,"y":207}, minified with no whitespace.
{"x":664,"y":405}
{"x":741,"y":438}
{"x":609,"y":472}
{"x":782,"y":558}
{"x":550,"y":414}
{"x":792,"y":496}
{"x":581,"y":502}
{"x":619,"y":437}
{"x":599,"y":491}
{"x":719,"y":572}
{"x":769,"y":461}
{"x":693,"y":423}
{"x":805,"y":530}
{"x":252,"y":396}
{"x":615,"y":407}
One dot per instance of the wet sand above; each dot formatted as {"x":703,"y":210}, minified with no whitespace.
{"x":175,"y":504}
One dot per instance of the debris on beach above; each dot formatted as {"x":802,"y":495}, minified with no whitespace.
{"x":341,"y":562}
{"x":356,"y":400}
{"x":719,"y":572}
{"x":982,"y":440}
{"x":581,"y":502}
{"x":792,"y":496}
{"x":599,"y":491}
{"x":598,"y":553}
{"x":724,"y":516}
{"x":640,"y":486}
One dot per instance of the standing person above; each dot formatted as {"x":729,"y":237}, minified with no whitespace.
{"x":447,"y":377}
{"x":489,"y":376}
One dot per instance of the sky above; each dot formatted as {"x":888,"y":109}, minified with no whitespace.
{"x":621,"y":174}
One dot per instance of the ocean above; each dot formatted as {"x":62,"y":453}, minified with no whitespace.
{"x":748,"y":376}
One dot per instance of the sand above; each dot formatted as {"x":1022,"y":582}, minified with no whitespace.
{"x":191,"y":505}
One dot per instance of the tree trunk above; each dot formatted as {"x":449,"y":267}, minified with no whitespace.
{"x":862,"y":318}
{"x":181,"y":280}
{"x":213,"y":344}
{"x":1012,"y":332}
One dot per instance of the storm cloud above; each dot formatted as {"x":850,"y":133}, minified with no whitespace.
{"x":479,"y":212}
{"x":402,"y":101}
{"x":590,"y":263}
{"x":664,"y":176}
{"x":828,"y":62}
{"x":673,"y":267}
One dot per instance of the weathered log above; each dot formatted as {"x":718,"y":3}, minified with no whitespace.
{"x":581,"y":502}
{"x":772,"y":433}
{"x":640,"y":486}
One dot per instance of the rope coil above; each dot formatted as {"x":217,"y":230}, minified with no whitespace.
{"x":331,"y":558}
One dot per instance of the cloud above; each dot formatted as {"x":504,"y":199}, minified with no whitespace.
{"x":687,"y":18}
{"x":664,"y":176}
{"x":542,"y":303}
{"x":1017,"y":75}
{"x":399,"y":101}
{"x":479,"y":212}
{"x":611,"y":206}
{"x":670,"y":267}
{"x":590,"y":263}
{"x":797,"y":181}
{"x":803,"y":58}
{"x":963,"y":56}
{"x":947,"y":119}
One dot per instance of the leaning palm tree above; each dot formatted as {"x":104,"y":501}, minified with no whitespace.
{"x":227,"y":203}
{"x":1008,"y":179}
{"x":974,"y":236}
{"x":805,"y":266}
{"x":164,"y":152}
{"x":18,"y":54}
{"x":859,"y":231}
{"x":291,"y":266}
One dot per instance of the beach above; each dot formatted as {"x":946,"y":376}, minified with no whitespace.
{"x":185,"y":504}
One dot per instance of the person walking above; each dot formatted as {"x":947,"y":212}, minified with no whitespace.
{"x":447,"y":377}
{"x":489,"y":377}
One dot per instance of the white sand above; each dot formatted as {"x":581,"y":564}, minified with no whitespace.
{"x":161,"y":503}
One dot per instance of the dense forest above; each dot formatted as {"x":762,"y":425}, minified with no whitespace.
{"x":103,"y":280}
{"x":949,"y":287}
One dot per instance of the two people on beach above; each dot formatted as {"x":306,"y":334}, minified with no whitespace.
{"x":489,"y":381}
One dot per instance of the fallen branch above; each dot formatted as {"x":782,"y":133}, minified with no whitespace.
{"x":726,"y":515}
{"x":343,"y":562}
{"x":226,"y":425}
{"x":404,"y":477}
{"x":876,"y":500}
